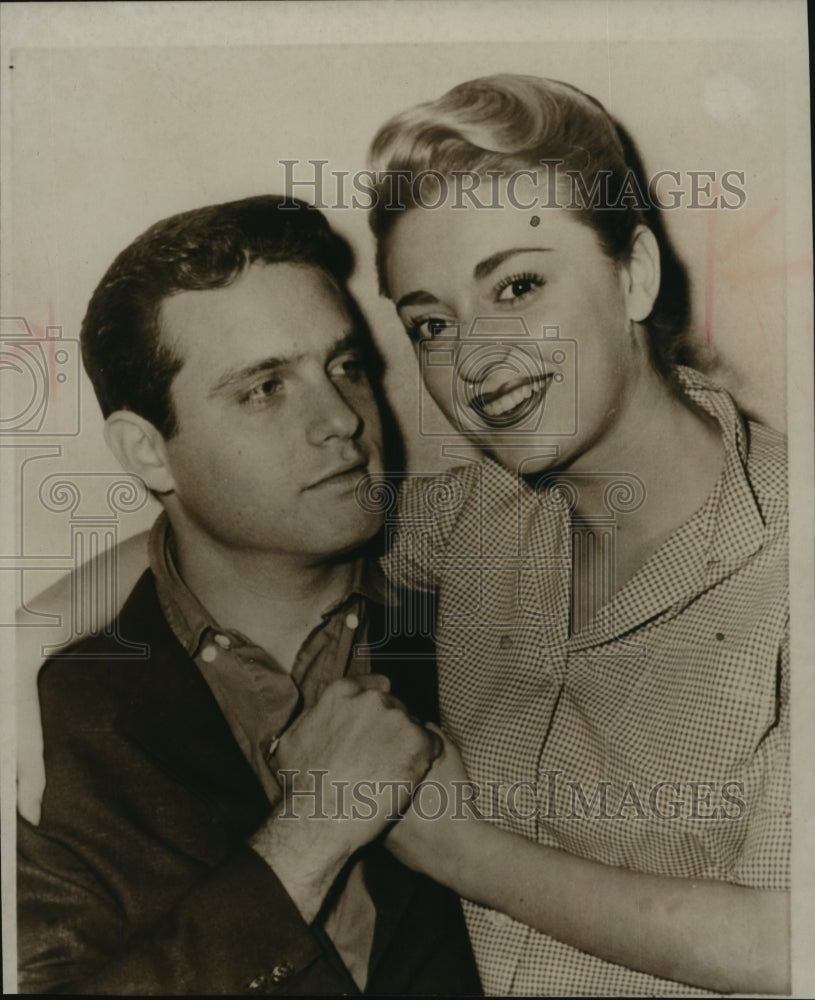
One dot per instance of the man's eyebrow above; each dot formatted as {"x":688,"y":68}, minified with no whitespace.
{"x":481,"y":270}
{"x":236,"y":376}
{"x":267,"y":366}
{"x":352,"y":340}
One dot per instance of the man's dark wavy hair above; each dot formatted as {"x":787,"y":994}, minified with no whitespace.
{"x":129,"y":363}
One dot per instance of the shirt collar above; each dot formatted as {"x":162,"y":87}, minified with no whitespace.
{"x":735,"y":526}
{"x":185,"y":614}
{"x":714,"y":542}
{"x":190,"y":620}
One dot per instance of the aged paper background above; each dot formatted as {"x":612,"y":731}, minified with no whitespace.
{"x":116,"y":115}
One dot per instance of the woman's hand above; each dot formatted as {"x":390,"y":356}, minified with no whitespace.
{"x":435,"y":828}
{"x":30,"y":765}
{"x":709,"y":934}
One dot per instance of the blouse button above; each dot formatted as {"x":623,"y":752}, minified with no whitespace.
{"x":223,"y":641}
{"x":208,"y":654}
{"x":351,"y":621}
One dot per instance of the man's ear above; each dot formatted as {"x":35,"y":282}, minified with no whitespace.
{"x":642,"y":274}
{"x":140,"y":448}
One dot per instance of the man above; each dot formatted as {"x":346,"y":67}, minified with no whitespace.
{"x":236,"y":379}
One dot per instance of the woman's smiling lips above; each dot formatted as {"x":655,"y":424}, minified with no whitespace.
{"x":510,"y":401}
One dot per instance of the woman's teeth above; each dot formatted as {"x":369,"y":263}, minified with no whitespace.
{"x":498,"y":407}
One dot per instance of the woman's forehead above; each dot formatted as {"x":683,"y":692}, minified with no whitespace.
{"x":467,"y":240}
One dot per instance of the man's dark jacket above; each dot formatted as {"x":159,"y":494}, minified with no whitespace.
{"x":138,"y":879}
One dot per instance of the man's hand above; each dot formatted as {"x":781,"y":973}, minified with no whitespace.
{"x":360,"y":735}
{"x":371,"y":753}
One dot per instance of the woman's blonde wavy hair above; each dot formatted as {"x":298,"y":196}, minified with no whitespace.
{"x":510,"y":122}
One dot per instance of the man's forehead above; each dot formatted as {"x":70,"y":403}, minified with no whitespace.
{"x":278,"y":307}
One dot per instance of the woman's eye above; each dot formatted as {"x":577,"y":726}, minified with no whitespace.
{"x":261,"y":393}
{"x":518,"y":287}
{"x":426,"y":328}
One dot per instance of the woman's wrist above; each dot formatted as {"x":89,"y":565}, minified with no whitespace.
{"x":462,"y":850}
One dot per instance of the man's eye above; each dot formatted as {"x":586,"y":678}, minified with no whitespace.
{"x":517,"y":287}
{"x":348,"y":366}
{"x":262,"y":392}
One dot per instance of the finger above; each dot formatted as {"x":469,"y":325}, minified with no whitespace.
{"x":381,"y":698}
{"x":375,"y":682}
{"x":345,"y":687}
{"x":30,"y":763}
{"x":30,"y":785}
{"x":435,"y":738}
{"x":29,"y":803}
{"x":446,"y":738}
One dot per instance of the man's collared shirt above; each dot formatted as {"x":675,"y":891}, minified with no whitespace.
{"x":656,"y":736}
{"x":260,"y":699}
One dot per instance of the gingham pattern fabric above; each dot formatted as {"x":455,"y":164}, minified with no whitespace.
{"x":657,"y":737}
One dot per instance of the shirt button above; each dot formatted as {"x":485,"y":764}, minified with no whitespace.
{"x":256,"y":985}
{"x":351,"y":621}
{"x":501,"y":919}
{"x":282,"y":971}
{"x":223,"y":641}
{"x":505,"y":642}
{"x":208,"y":654}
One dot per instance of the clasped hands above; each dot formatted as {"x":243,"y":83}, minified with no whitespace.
{"x":373,"y":762}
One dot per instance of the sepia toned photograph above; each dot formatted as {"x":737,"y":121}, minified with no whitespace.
{"x":406,"y":408}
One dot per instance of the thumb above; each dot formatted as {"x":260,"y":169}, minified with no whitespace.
{"x":438,"y":740}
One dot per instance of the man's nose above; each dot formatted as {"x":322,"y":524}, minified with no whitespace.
{"x":330,"y":414}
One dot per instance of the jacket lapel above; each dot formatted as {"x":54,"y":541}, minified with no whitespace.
{"x":164,"y":705}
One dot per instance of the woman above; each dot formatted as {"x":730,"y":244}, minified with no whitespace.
{"x":612,"y":622}
{"x":611,"y":577}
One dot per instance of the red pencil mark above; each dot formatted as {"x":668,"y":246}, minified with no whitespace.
{"x":49,"y":340}
{"x":739,"y":239}
{"x":803,"y":266}
{"x":717,"y":256}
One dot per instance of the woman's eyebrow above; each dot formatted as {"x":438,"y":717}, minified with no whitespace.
{"x":419,"y":298}
{"x":489,"y":264}
{"x":481,"y":270}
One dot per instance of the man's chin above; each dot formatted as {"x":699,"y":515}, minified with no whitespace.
{"x":347,"y":536}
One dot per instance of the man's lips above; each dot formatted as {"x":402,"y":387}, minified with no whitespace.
{"x":344,"y":475}
{"x":510,"y":401}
